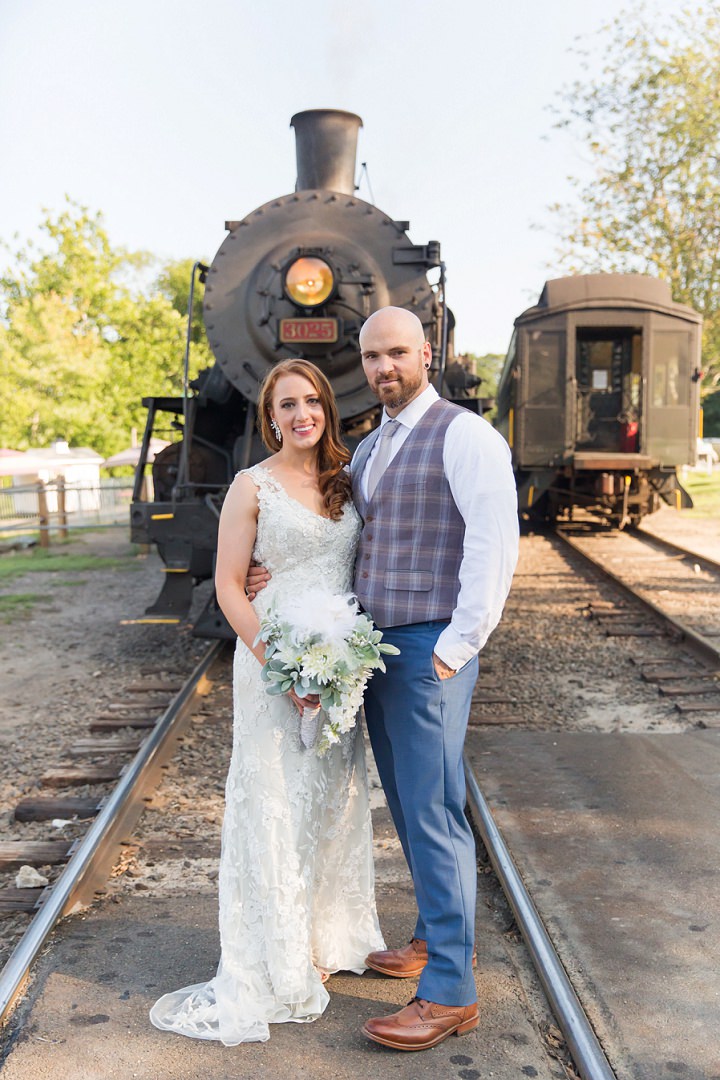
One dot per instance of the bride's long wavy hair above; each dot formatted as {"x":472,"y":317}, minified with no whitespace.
{"x":332,"y":455}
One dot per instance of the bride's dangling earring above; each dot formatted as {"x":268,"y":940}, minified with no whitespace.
{"x":276,"y":429}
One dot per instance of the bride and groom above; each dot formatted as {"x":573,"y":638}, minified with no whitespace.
{"x":423,"y":528}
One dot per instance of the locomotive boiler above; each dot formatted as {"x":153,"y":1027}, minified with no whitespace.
{"x":297,"y":276}
{"x":599,"y":398}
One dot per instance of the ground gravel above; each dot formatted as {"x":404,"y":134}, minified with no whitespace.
{"x":67,"y":659}
{"x":64,"y":661}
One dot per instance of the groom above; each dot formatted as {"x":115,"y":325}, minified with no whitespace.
{"x":435,"y":489}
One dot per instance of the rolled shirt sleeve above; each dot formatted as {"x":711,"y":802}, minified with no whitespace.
{"x":478,"y":468}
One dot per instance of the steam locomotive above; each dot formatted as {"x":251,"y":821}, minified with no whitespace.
{"x":599,"y":398}
{"x":298,"y":276}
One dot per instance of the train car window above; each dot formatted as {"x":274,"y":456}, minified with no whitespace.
{"x":541,"y":420}
{"x":546,"y":368}
{"x":670,"y":384}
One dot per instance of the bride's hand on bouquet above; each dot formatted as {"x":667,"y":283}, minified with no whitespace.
{"x":256,"y":580}
{"x":310,"y":702}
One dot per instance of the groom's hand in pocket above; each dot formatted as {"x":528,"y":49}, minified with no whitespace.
{"x":256,"y":579}
{"x":441,"y":669}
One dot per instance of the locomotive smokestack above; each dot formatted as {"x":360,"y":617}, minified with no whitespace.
{"x":326,"y":143}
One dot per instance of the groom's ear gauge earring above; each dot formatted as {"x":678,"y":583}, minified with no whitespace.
{"x":276,"y":429}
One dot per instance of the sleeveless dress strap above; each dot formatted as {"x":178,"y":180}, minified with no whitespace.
{"x":262,"y":478}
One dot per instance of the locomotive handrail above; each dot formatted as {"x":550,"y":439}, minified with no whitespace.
{"x":444,"y":332}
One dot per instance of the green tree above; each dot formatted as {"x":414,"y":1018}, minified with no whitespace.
{"x":83,"y":337}
{"x":650,"y":124}
{"x":711,"y":417}
{"x":488,"y":368}
{"x":174,"y":284}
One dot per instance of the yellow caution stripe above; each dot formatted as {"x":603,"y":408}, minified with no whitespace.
{"x":141,"y":622}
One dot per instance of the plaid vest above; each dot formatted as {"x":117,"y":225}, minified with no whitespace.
{"x":411,"y":545}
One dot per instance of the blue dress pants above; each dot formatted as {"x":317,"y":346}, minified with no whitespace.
{"x":417,"y":723}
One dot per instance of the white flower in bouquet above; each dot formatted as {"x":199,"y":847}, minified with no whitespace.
{"x":319,"y":643}
{"x":322,"y":662}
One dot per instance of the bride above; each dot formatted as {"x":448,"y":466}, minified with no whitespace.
{"x":296,"y":873}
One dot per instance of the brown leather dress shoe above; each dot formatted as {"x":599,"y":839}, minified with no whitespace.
{"x":421,"y":1024}
{"x":405,"y":963}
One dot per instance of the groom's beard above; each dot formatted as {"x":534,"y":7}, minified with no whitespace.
{"x":396,"y":394}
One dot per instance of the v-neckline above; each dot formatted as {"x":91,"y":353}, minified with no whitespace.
{"x":286,"y":493}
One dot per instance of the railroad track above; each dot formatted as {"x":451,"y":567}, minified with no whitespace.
{"x":674,"y":549}
{"x":90,"y":858}
{"x":587,"y":1053}
{"x":680,"y":588}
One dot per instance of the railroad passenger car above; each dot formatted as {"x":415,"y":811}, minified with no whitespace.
{"x":599,"y":397}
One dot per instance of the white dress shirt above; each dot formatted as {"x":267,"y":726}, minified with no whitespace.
{"x":477,"y":464}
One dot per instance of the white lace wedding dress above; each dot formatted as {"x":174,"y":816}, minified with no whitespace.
{"x":296,"y":872}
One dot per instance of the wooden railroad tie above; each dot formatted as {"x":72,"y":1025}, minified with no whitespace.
{"x":139,"y":706}
{"x":689,"y":688}
{"x":39,"y":809}
{"x":493,"y":699}
{"x":153,"y":687}
{"x":480,"y":720}
{"x":113,"y":722}
{"x":13,"y":900}
{"x":86,"y":747}
{"x":698,"y":706}
{"x":16,"y":853}
{"x":72,"y":775}
{"x":669,"y":674}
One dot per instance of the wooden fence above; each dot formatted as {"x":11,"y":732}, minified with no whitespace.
{"x":57,"y":507}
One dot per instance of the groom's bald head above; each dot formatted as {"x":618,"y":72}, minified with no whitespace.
{"x":395,"y":356}
{"x":394,"y":320}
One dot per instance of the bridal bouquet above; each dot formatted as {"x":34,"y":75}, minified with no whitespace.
{"x":319,"y":643}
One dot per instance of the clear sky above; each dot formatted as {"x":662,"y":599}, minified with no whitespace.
{"x":171,"y":116}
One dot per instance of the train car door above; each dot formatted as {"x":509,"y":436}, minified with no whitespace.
{"x":608,"y":383}
{"x":671,"y":408}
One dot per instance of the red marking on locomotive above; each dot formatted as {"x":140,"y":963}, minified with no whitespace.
{"x":292,"y":330}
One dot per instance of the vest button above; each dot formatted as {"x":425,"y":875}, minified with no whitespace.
{"x":369,"y":518}
{"x":369,"y":536}
{"x":367,"y":554}
{"x":365,"y":573}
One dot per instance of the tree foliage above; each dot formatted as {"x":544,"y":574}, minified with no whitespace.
{"x":488,"y":368}
{"x":711,"y":411}
{"x":650,"y":123}
{"x":84,"y":337}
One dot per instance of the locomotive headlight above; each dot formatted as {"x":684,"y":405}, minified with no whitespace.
{"x":309,"y":281}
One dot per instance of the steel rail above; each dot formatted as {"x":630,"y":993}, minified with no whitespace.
{"x":586,"y":1051}
{"x":675,"y":549}
{"x":95,"y":852}
{"x":703,"y":648}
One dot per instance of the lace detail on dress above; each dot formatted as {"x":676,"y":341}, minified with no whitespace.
{"x":296,"y":877}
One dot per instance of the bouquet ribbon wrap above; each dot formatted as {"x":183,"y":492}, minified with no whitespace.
{"x":309,"y":725}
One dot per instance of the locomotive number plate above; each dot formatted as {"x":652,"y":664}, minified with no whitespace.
{"x":325,"y":330}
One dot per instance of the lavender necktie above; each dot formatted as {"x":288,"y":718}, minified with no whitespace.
{"x":382,"y":456}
